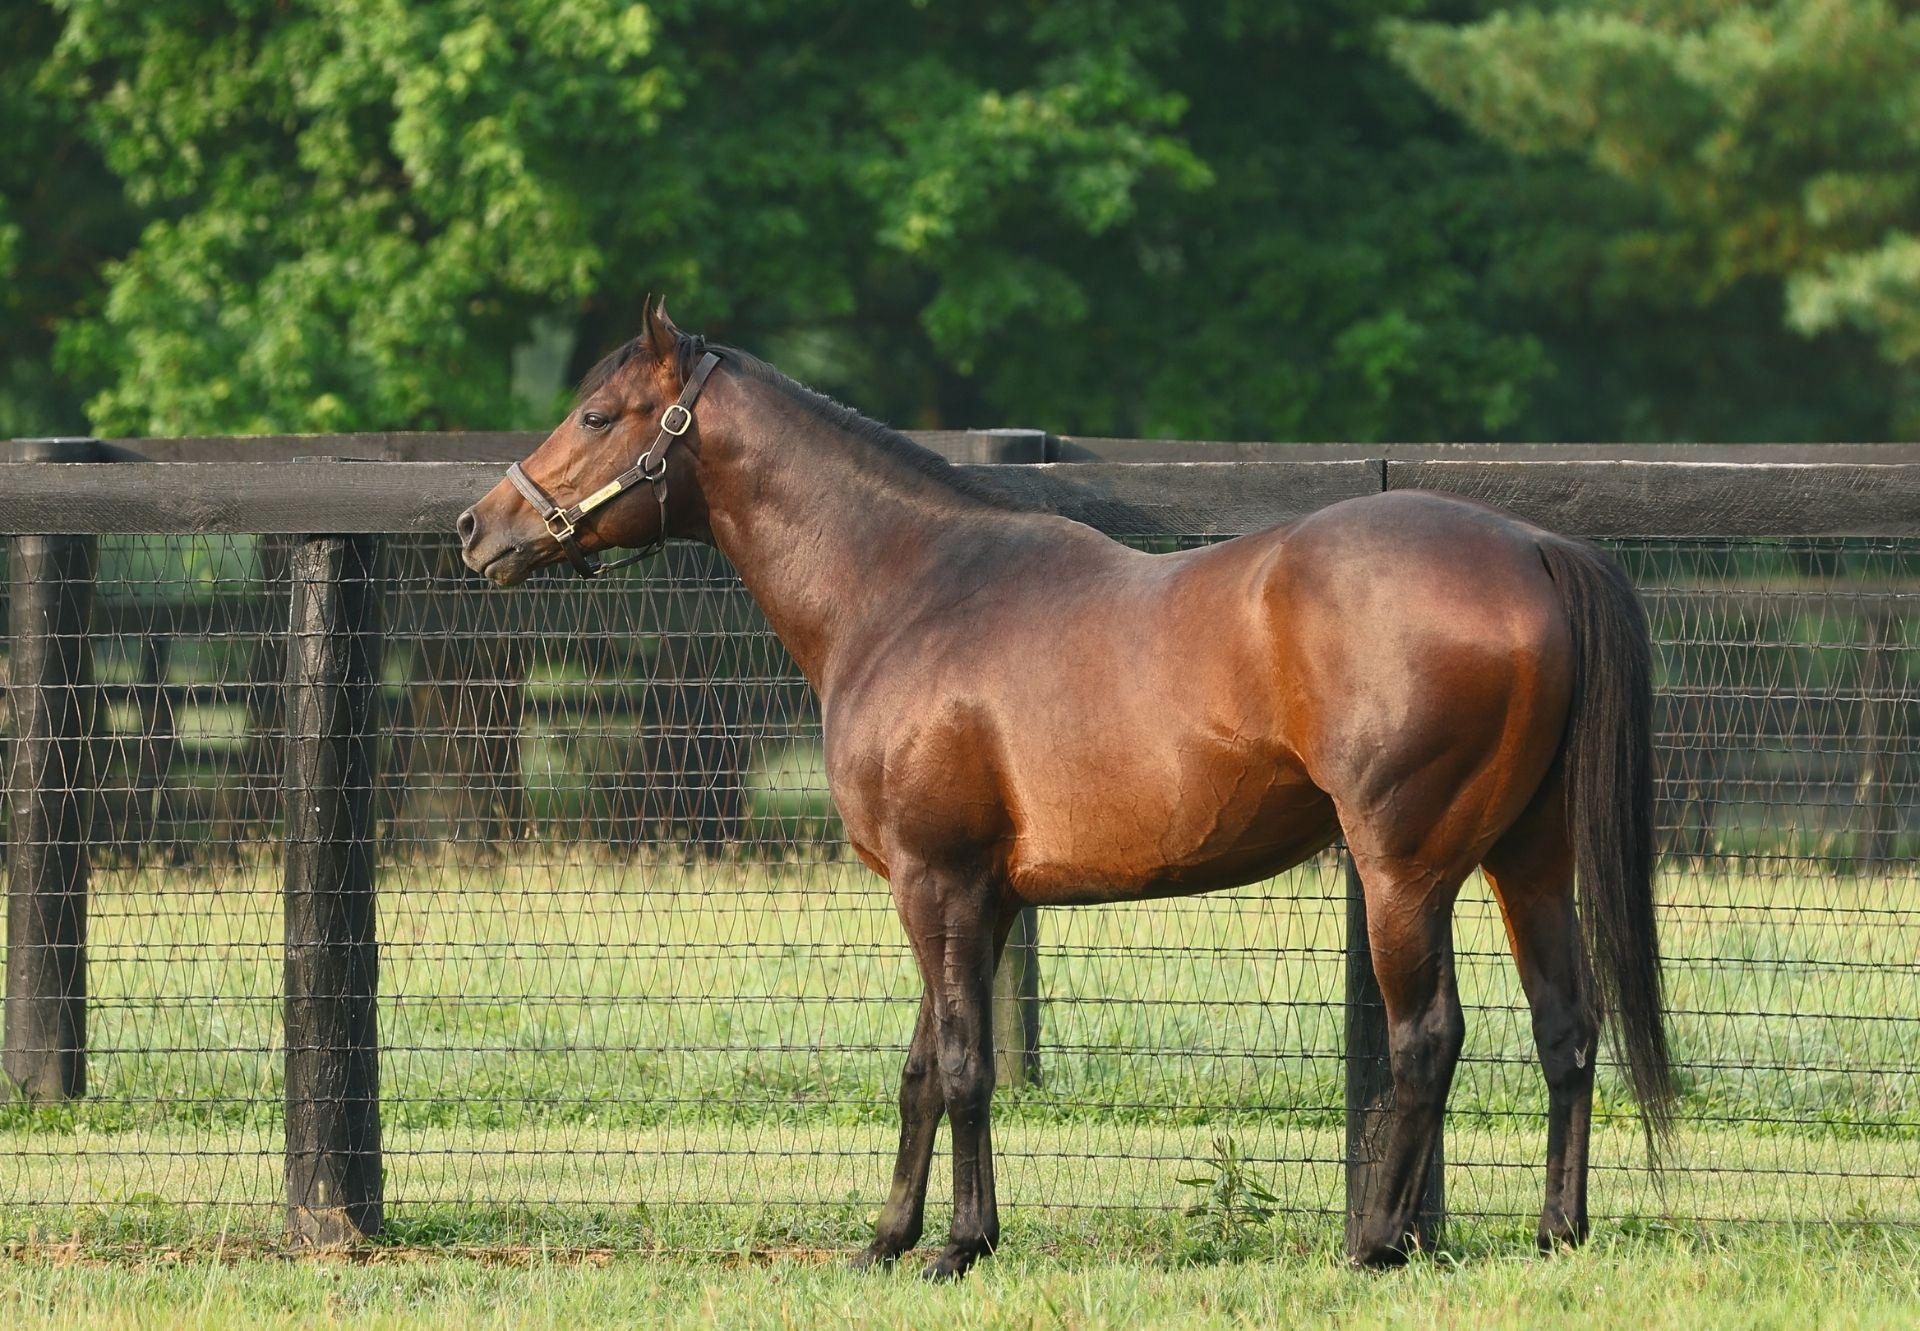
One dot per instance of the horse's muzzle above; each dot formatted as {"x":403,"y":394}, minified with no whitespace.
{"x":489,"y":547}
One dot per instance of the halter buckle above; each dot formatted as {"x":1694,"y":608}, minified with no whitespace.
{"x":559,"y":527}
{"x":686,"y":420}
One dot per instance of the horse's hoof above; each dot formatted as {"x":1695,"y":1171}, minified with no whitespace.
{"x":1378,"y":1255}
{"x":874,"y":1257}
{"x":1559,"y":1235}
{"x":953,"y":1262}
{"x":1379,"y":1259}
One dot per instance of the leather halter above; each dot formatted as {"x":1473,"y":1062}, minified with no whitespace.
{"x":563,"y":524}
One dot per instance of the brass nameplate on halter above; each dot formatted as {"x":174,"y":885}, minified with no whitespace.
{"x":601,"y":496}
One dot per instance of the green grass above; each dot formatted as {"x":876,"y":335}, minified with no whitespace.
{"x":585,"y":1052}
{"x":1790,"y":1281}
{"x":715,"y":1189}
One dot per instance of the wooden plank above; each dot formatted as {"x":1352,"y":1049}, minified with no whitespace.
{"x":1004,"y":447}
{"x":1191,"y":498}
{"x":1202,"y":498}
{"x":1878,"y":740}
{"x":241,"y":497}
{"x":504,"y":446}
{"x":157,"y":745}
{"x":1090,"y":448}
{"x":405,"y":497}
{"x":1016,"y":1004}
{"x":59,"y":448}
{"x":1679,"y":499}
{"x":498,"y":446}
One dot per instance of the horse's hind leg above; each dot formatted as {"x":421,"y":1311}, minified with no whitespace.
{"x":1410,"y":929}
{"x":1531,"y":869}
{"x":922,"y":1102}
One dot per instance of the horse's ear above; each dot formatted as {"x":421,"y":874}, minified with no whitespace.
{"x":663,"y":339}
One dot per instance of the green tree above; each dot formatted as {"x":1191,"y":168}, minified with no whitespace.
{"x":61,"y":214}
{"x":1764,"y":154}
{"x":1326,"y":282}
{"x":1101,"y":216}
{"x":359,"y":208}
{"x":1089,"y":214}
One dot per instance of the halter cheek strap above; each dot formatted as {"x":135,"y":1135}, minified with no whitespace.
{"x":650,"y":468}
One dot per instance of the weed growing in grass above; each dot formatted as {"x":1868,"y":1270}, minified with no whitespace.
{"x":1235,"y":1205}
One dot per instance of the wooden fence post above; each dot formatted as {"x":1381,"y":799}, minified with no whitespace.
{"x":1370,"y":1083}
{"x":49,"y":797}
{"x":1016,"y":1005}
{"x":1878,"y":738}
{"x":150,"y":820}
{"x":1016,"y":985}
{"x":333,"y":1165}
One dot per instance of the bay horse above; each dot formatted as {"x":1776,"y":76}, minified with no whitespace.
{"x":1445,"y":684}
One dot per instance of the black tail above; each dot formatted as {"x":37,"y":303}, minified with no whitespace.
{"x":1609,"y":765}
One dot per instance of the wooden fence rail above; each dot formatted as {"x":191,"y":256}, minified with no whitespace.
{"x":1621,"y":499}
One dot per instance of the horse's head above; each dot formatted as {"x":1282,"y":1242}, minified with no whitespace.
{"x":603,"y":478}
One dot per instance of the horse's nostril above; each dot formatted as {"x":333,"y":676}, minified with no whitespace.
{"x":468,"y":526}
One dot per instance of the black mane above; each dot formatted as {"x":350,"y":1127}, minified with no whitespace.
{"x":883,"y":437}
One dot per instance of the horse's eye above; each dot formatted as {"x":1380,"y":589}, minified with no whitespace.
{"x":593,"y":420}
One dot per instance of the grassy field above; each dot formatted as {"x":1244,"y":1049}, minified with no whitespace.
{"x":1785,"y":1281}
{"x":682,"y":1076}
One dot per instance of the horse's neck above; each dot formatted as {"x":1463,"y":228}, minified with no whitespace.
{"x":835,"y":538}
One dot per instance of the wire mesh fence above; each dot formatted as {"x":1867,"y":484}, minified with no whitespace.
{"x":634,"y":989}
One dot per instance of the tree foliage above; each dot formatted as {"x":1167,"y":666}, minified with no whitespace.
{"x":1118,"y":216}
{"x":1774,"y":142}
{"x":360,"y":207}
{"x":61,"y":214}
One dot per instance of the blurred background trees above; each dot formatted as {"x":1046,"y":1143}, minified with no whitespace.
{"x":1371,"y":220}
{"x":1771,"y":146}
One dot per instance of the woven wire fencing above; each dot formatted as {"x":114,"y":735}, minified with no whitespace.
{"x":635,"y":990}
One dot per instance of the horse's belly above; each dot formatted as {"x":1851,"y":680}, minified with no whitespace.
{"x":1127,"y":834}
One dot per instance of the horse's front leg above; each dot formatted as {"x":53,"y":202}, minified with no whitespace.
{"x":922,"y":1101}
{"x":963,"y":1030}
{"x":951,"y":917}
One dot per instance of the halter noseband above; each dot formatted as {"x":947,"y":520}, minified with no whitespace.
{"x":563,"y":524}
